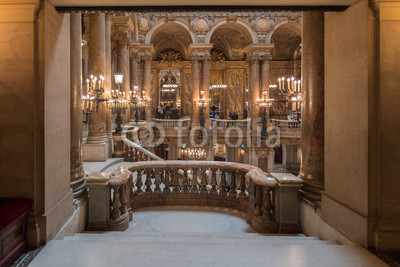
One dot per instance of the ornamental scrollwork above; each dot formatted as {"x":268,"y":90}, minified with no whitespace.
{"x":169,"y":57}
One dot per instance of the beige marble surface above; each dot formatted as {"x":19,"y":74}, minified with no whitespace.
{"x":196,"y":236}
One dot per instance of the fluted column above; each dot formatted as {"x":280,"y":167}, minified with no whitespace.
{"x":312,"y":128}
{"x":77,"y":174}
{"x":195,"y":89}
{"x":96,"y":147}
{"x":108,"y":80}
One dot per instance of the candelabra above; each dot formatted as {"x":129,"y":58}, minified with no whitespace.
{"x":201,"y":102}
{"x":118,"y":104}
{"x":87,"y":106}
{"x":94,"y":89}
{"x":135,"y":101}
{"x":264,"y":103}
{"x":290,"y":89}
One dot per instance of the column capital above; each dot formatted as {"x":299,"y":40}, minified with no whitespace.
{"x":122,"y":23}
{"x":200,"y":51}
{"x":259,"y":51}
{"x":134,"y":46}
{"x":146,"y":51}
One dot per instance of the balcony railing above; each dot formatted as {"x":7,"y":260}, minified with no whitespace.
{"x":269,"y":201}
{"x":219,"y":124}
{"x":181,"y":124}
{"x":287,"y":125}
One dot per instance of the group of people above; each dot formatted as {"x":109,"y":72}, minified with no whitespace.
{"x":164,"y":112}
{"x":231,"y":115}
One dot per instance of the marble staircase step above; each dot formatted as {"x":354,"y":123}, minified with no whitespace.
{"x":199,"y":237}
{"x":194,"y":253}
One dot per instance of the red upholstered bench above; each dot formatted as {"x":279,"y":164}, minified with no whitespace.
{"x":13,"y":228}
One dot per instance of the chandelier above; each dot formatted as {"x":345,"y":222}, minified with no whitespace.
{"x":194,"y":154}
{"x":218,"y":86}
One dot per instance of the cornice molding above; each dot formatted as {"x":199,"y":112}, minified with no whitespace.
{"x":23,"y":12}
{"x":389,"y":10}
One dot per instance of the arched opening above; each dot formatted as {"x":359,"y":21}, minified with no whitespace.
{"x":230,"y":40}
{"x":171,"y":37}
{"x":287,"y":40}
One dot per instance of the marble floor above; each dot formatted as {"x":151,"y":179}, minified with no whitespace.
{"x":197,"y":236}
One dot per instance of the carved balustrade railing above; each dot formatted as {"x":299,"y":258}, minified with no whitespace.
{"x":133,"y":151}
{"x":287,"y":125}
{"x":270,"y":201}
{"x":223,"y":125}
{"x":181,"y":124}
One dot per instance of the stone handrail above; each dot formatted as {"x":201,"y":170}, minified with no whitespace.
{"x":287,"y":125}
{"x":266,"y":199}
{"x":181,"y":124}
{"x":134,"y":152}
{"x":220,"y":124}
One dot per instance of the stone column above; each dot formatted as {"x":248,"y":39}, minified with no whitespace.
{"x":123,"y":65}
{"x":231,"y":154}
{"x":265,"y":78}
{"x":96,"y":147}
{"x":134,"y":79}
{"x":254,"y":90}
{"x":312,"y":130}
{"x":172,"y":151}
{"x":108,"y":81}
{"x":77,"y":174}
{"x":205,"y":85}
{"x":147,"y":82}
{"x":195,"y":90}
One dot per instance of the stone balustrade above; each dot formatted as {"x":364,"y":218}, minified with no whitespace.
{"x":220,"y":124}
{"x":264,"y":198}
{"x":113,"y":212}
{"x":287,"y":125}
{"x":134,"y":152}
{"x":181,"y":124}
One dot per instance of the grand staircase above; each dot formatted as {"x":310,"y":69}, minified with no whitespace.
{"x":208,"y":237}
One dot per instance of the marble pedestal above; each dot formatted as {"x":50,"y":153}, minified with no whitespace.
{"x":95,"y":152}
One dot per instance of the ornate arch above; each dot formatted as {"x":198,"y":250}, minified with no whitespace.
{"x":238,"y":22}
{"x":162,"y":22}
{"x":297,"y":28}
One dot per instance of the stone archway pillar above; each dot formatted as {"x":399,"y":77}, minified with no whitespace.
{"x":77,"y":174}
{"x":96,"y":146}
{"x":200,"y":53}
{"x":312,"y":128}
{"x":108,"y":81}
{"x":122,"y":28}
{"x":258,"y":56}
